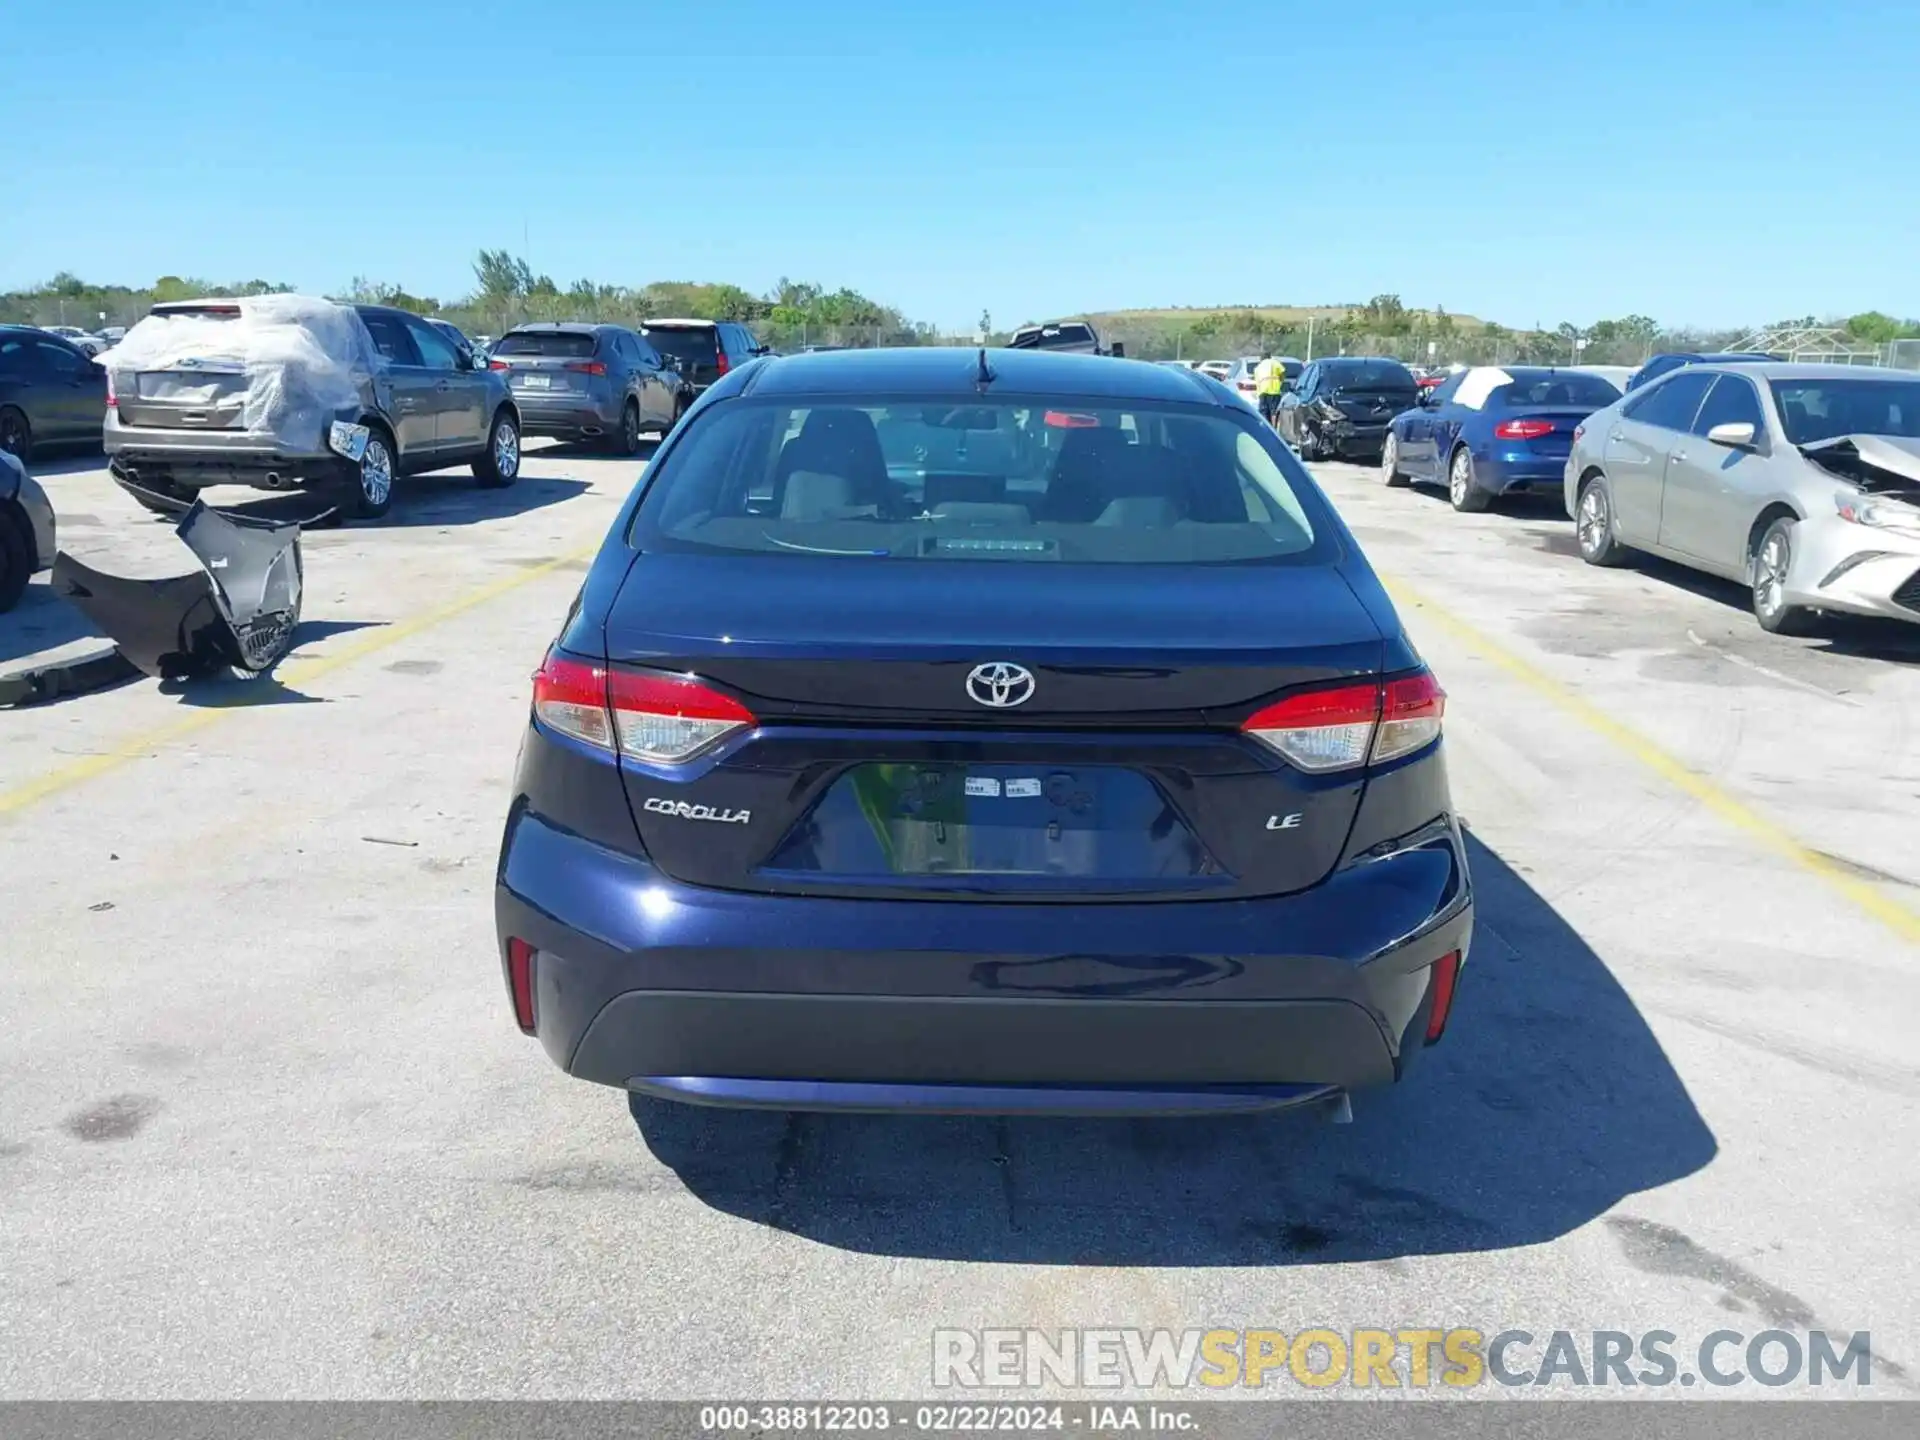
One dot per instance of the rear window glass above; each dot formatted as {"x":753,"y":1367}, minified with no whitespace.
{"x":1011,"y":480}
{"x":1813,"y":410}
{"x":1370,"y":375}
{"x":696,"y":347}
{"x":1047,"y":336}
{"x":555,"y":344}
{"x":1564,"y":388}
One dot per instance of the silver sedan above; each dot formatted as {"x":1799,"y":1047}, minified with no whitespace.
{"x":1800,"y":481}
{"x":26,"y":529}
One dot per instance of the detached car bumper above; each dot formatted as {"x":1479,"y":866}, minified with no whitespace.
{"x":808,"y":1003}
{"x":1858,"y":569}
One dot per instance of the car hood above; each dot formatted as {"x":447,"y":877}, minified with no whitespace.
{"x":1896,"y":456}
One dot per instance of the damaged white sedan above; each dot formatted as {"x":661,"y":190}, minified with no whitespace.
{"x":1800,"y":481}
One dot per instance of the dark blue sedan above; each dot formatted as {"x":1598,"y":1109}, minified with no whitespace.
{"x":980,"y":731}
{"x":1492,"y":431}
{"x":1658,"y":365}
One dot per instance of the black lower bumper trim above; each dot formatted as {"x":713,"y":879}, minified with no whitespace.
{"x":913,"y":1040}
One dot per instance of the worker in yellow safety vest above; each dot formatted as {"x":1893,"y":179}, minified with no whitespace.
{"x":1270,"y":379}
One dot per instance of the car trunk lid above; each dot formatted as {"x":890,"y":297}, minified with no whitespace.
{"x":883,"y":760}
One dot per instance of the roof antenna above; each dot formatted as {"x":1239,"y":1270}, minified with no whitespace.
{"x":985,"y":376}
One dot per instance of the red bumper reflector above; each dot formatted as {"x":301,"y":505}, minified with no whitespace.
{"x":520,"y":981}
{"x":1446,"y":978}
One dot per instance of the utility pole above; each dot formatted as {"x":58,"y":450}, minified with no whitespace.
{"x":1309,"y":356}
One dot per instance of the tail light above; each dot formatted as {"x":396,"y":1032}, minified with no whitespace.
{"x":113,"y":397}
{"x":1445,"y":981}
{"x":720,"y":362}
{"x":1243,"y":385}
{"x":493,"y":364}
{"x":1071,"y":420}
{"x":1344,"y":726}
{"x":1578,"y":431}
{"x":1523,"y":429}
{"x":588,"y":367}
{"x":520,"y":982}
{"x":645,"y":714}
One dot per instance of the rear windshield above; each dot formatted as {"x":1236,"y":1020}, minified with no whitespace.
{"x":1011,"y":479}
{"x":1052,"y":335}
{"x":1562,"y":388}
{"x":1370,"y":375}
{"x":696,"y":347}
{"x":558,"y":344}
{"x":1822,"y":409}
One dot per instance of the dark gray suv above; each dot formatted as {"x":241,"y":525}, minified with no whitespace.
{"x":706,"y":349}
{"x":590,"y":382}
{"x":288,"y":391}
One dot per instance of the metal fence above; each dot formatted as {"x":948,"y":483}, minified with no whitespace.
{"x":1142,"y":340}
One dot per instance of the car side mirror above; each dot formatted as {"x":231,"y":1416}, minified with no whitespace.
{"x":1735,"y":435}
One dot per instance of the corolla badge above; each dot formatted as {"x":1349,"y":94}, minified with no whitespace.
{"x":1000,"y":685}
{"x":681,"y":810}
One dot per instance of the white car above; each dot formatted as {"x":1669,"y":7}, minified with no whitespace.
{"x":1800,"y":481}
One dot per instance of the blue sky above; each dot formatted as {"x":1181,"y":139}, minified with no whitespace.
{"x":1701,"y":161}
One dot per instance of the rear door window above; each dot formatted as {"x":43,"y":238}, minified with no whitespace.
{"x":1732,"y":401}
{"x":547,"y":344}
{"x":57,"y":360}
{"x":436,"y":350}
{"x":1671,"y":404}
{"x":390,"y":338}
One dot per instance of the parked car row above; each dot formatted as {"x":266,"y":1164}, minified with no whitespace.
{"x":1801,"y":482}
{"x":285,"y":392}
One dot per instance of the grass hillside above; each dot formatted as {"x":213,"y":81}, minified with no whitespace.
{"x":1273,"y":314}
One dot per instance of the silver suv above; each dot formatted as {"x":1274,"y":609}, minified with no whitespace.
{"x":283,"y":392}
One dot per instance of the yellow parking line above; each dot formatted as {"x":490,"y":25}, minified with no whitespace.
{"x":1891,"y":913}
{"x":299,"y":672}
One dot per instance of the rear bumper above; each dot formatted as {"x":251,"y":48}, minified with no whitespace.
{"x":1349,"y":437}
{"x":799,"y":1002}
{"x":1505,"y":471}
{"x":34,"y":504}
{"x":567,"y":417}
{"x":192,"y":459}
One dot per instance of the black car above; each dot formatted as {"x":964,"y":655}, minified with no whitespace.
{"x":1341,"y":408}
{"x":590,"y":382}
{"x":981,"y":732}
{"x":1659,"y":365}
{"x":706,"y":349}
{"x":51,"y":392}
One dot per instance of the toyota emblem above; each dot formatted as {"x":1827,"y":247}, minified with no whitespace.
{"x":1000,"y":686}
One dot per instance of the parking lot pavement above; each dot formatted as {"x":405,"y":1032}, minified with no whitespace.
{"x":266,"y":1128}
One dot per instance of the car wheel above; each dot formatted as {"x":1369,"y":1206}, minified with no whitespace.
{"x":16,"y":556}
{"x":628,"y":441}
{"x":1461,"y":489}
{"x":373,"y":478}
{"x":1593,"y":525}
{"x":499,"y":466}
{"x":1390,"y":470}
{"x":1772,"y":559}
{"x":16,"y":435}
